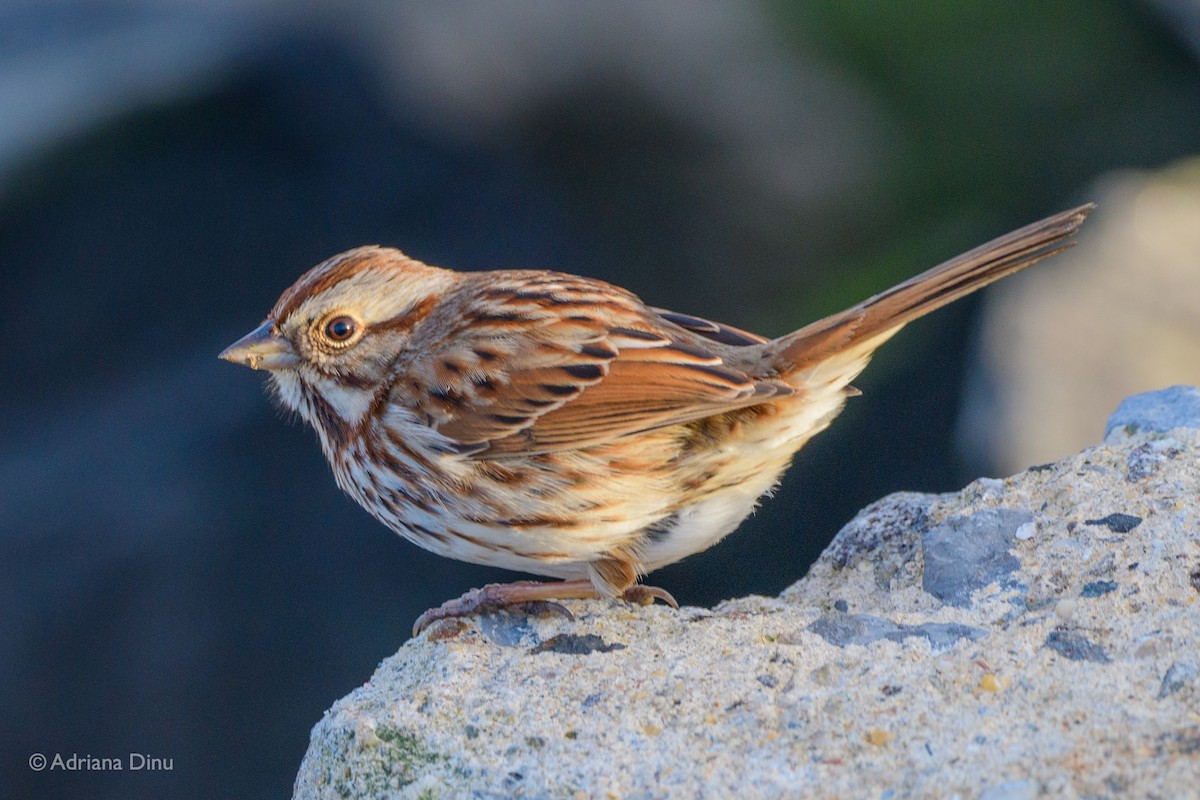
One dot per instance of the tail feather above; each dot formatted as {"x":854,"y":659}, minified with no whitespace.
{"x":854,"y":334}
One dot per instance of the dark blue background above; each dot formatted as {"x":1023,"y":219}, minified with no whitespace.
{"x":180,"y":577}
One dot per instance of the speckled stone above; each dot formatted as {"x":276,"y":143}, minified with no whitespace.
{"x":1155,"y":412}
{"x":848,"y":629}
{"x":1067,"y":673}
{"x":1178,"y":676}
{"x":964,"y":554}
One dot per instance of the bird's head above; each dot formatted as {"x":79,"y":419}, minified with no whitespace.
{"x":331,"y":338}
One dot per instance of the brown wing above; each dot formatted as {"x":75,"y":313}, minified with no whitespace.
{"x":554,"y":362}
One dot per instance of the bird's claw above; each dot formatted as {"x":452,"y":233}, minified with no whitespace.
{"x":644,"y":595}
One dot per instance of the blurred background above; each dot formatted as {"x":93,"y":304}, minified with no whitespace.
{"x":179,"y":575}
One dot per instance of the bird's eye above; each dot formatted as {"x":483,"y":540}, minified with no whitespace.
{"x":341,"y":328}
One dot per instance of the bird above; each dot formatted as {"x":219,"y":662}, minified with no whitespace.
{"x":557,"y":425}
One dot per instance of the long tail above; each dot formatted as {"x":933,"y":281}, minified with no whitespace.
{"x":852,"y":335}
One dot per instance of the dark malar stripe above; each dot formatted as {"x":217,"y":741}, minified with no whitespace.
{"x":336,"y":428}
{"x":350,"y":380}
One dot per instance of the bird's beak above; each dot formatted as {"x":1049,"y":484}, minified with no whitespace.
{"x":261,"y":348}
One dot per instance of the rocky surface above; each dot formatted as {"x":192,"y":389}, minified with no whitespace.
{"x":1028,"y":636}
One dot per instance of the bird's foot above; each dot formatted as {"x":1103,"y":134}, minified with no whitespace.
{"x":526,"y":596}
{"x":532,"y":597}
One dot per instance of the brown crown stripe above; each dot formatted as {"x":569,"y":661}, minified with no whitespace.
{"x":329,"y":273}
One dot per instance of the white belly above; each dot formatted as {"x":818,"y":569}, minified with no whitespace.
{"x":756,"y":463}
{"x":701,"y":525}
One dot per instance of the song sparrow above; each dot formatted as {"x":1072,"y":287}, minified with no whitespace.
{"x":557,"y":425}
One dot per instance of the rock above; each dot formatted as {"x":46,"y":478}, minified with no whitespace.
{"x":967,"y":553}
{"x":1076,"y":647}
{"x":883,"y":526}
{"x":573,"y":644}
{"x":1097,"y":588}
{"x":847,"y":629}
{"x":1180,"y":674}
{"x":1155,"y":412}
{"x":1025,"y":666}
{"x":1011,"y":790}
{"x":1117,"y":523}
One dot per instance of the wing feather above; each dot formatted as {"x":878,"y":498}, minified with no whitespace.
{"x":716,"y":331}
{"x":568,"y":363}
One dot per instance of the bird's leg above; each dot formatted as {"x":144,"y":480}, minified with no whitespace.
{"x":533,"y":596}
